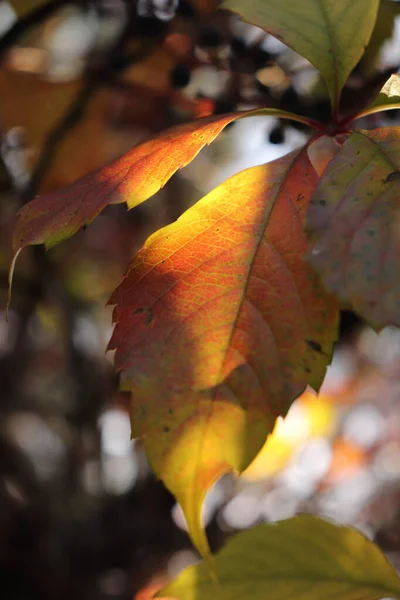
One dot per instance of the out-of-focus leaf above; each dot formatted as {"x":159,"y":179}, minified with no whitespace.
{"x":133,"y":178}
{"x":354,"y":225}
{"x":383,"y":31}
{"x":332,"y":35}
{"x":304,"y":558}
{"x":220,"y":325}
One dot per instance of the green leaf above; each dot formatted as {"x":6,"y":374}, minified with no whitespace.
{"x":354,"y":225}
{"x":331,"y":34}
{"x":383,"y":30}
{"x":304,"y":558}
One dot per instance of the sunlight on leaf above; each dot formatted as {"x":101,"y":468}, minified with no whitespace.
{"x":220,"y":326}
{"x":354,"y":225}
{"x":389,"y":94}
{"x":133,"y":178}
{"x":332,"y":35}
{"x":303,"y":557}
{"x":322,"y":151}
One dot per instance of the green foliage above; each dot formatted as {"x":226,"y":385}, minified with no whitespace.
{"x":331,"y":34}
{"x":304,"y":558}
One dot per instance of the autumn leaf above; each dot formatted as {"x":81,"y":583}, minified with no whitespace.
{"x":354,"y":225}
{"x":133,"y":178}
{"x":303,"y":557}
{"x":220,"y":325}
{"x":331,"y":35}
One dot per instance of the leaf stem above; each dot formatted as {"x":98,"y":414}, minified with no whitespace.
{"x":368,"y":111}
{"x":283,"y":114}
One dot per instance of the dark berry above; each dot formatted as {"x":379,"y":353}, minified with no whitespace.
{"x":290,"y":101}
{"x":224,"y":106}
{"x":180,"y":76}
{"x":277,"y":135}
{"x":238,"y":46}
{"x":186,"y":9}
{"x":261,"y":58}
{"x":392,"y":115}
{"x":210,"y":37}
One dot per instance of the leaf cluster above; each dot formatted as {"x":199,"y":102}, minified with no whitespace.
{"x":226,"y":315}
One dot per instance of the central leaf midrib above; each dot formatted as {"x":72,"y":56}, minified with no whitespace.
{"x":202,"y":434}
{"x":335,"y":59}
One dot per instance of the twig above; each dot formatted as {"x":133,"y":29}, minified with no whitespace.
{"x":30,"y":20}
{"x":69,"y":120}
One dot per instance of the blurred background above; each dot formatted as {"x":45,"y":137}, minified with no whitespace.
{"x":80,"y":83}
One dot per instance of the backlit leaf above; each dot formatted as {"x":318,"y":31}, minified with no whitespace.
{"x":133,"y":178}
{"x":220,"y":325}
{"x":331,"y":34}
{"x":304,"y":558}
{"x":389,"y":94}
{"x":354,"y":225}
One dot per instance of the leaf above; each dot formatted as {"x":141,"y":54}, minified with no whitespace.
{"x":133,"y":178}
{"x":220,"y":325}
{"x":389,"y":94}
{"x":303,"y":557}
{"x":383,"y":30}
{"x":354,"y":225}
{"x":331,"y":34}
{"x":322,"y":151}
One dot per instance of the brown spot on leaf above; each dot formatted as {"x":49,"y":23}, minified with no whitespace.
{"x":149,"y":316}
{"x":392,"y":177}
{"x":315,"y":346}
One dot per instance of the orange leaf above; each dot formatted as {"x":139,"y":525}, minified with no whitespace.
{"x":354,"y":225}
{"x":133,"y":178}
{"x":220,"y":326}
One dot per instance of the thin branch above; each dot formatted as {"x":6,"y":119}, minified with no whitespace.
{"x":54,"y":139}
{"x":94,"y":80}
{"x":30,"y":20}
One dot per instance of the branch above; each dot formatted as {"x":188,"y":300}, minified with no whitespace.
{"x":30,"y":20}
{"x":54,"y":139}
